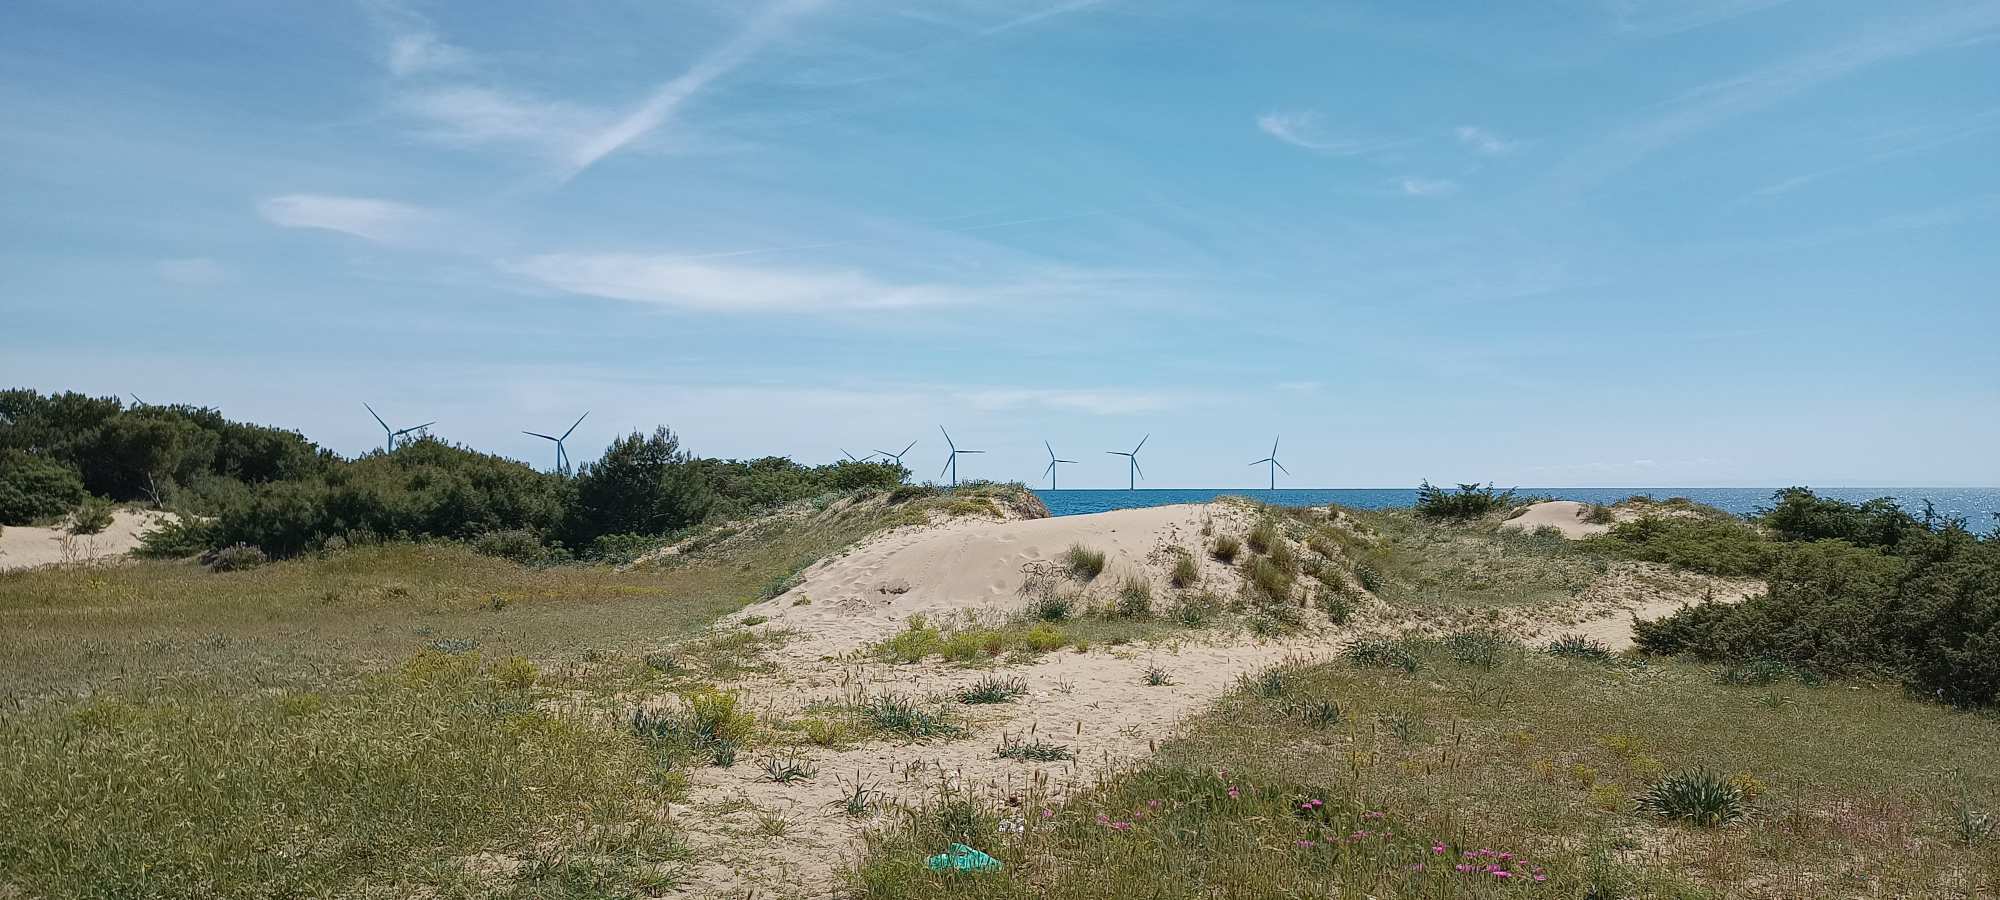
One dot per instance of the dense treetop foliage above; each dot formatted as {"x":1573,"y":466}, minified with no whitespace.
{"x":238,"y":483}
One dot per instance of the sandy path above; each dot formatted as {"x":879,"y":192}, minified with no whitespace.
{"x":25,"y":547}
{"x":1094,"y":702}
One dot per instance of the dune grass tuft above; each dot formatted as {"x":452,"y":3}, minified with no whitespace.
{"x":1084,"y":564}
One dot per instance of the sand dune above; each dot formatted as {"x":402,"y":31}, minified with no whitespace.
{"x":25,"y":546}
{"x":1096,"y":703}
{"x":1565,"y":516}
{"x":977,"y":567}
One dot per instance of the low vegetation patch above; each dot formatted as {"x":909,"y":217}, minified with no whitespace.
{"x":1084,"y":564}
{"x":1469,"y":501}
{"x":1226,"y":548}
{"x":1576,"y":781}
{"x":993,"y":689}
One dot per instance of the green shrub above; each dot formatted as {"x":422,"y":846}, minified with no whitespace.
{"x":1576,"y":646}
{"x":234,"y":558}
{"x":1931,"y":613}
{"x":34,"y":489}
{"x":1698,"y":797}
{"x":1135,"y":599}
{"x":1377,"y":653}
{"x":1336,"y":606}
{"x":1470,"y":501}
{"x":1196,"y":611}
{"x":1052,"y":606}
{"x":1186,"y":573}
{"x":1268,"y":578}
{"x":1084,"y":564}
{"x":517,"y":544}
{"x":1226,"y":549}
{"x":1598,"y":514}
{"x":1797,"y":514}
{"x":1283,"y":557}
{"x":1263,"y":536}
{"x":91,"y":516}
{"x":1718,"y":547}
{"x":1367,"y":576}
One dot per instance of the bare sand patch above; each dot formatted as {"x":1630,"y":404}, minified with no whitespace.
{"x":27,"y":546}
{"x":1565,"y":516}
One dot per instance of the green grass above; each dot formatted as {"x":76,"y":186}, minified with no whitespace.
{"x":391,"y":720}
{"x":1083,"y":563}
{"x":303,"y":793}
{"x":1850,"y":792}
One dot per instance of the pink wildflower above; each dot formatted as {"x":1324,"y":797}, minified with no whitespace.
{"x":1232,"y":792}
{"x":1303,"y":844}
{"x":1103,"y":819}
{"x":1437,"y":848}
{"x":1153,"y":804}
{"x":1048,"y":813}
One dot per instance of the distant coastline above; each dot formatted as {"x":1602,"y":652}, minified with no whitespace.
{"x":1975,"y":504}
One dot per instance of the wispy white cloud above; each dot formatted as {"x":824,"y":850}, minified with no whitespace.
{"x":383,"y":221}
{"x":465,"y":114}
{"x":414,"y":47}
{"x":1304,"y":128}
{"x":1427,"y":187}
{"x":415,"y":52}
{"x":1039,"y":15}
{"x":193,"y":271}
{"x":686,"y":283}
{"x":1709,"y":105}
{"x":1483,"y":140}
{"x":667,"y":100}
{"x":1098,"y":401}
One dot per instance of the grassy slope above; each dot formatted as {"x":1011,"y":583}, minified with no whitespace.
{"x":1860,"y":789}
{"x":366,"y":722}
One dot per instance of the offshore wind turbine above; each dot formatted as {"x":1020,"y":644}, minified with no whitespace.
{"x":1274,"y":463}
{"x":392,"y":434}
{"x":1051,"y":470}
{"x":951,"y":460}
{"x":562,"y":454}
{"x":1134,"y":473}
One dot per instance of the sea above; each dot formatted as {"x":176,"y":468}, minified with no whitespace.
{"x":1978,"y":506}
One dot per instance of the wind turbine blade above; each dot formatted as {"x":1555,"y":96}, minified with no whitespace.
{"x":1052,"y":450}
{"x":542,"y":436}
{"x":1135,"y":466}
{"x":572,"y":425}
{"x":947,"y":439}
{"x":1066,"y":461}
{"x":1274,"y":448}
{"x":1117,"y":453}
{"x":887,"y":455}
{"x":378,"y":419}
{"x":1258,"y":462}
{"x":1051,"y":468}
{"x":972,"y":451}
{"x":906,"y":450}
{"x":1142,"y":444}
{"x":947,"y":464}
{"x":843,"y":452}
{"x":1281,"y":467}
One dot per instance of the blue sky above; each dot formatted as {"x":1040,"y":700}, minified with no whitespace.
{"x":1702,"y":242}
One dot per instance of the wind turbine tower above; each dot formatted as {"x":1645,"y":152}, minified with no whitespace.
{"x":1133,"y":473}
{"x":1275,"y":465}
{"x":392,"y":434}
{"x":562,"y":454}
{"x":1053,"y":462}
{"x":951,"y":460}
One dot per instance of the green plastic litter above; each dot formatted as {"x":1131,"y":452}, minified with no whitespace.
{"x":963,"y":859}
